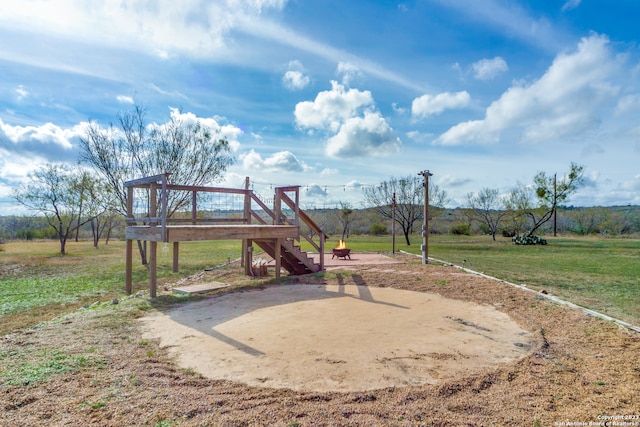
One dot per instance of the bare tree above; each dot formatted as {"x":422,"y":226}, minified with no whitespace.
{"x":409,"y":194}
{"x":189,"y":151}
{"x":487,"y":208}
{"x":344,"y":216}
{"x":57,"y":195}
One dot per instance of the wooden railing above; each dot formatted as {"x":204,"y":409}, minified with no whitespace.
{"x":159,"y":213}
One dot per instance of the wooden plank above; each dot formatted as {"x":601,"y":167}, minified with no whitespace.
{"x":146,"y":180}
{"x":222,"y":232}
{"x":143,"y":232}
{"x":200,"y":288}
{"x":186,"y":233}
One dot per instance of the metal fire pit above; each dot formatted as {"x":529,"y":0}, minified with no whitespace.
{"x":341,"y":253}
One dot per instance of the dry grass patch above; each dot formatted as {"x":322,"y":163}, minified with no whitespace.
{"x":580,"y":368}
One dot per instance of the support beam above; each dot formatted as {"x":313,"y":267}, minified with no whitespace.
{"x":249,"y":258}
{"x":153,"y":263}
{"x":176,"y":250}
{"x":129,"y":268}
{"x":278,"y":256}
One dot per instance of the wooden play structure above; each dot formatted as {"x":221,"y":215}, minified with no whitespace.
{"x":275,"y":230}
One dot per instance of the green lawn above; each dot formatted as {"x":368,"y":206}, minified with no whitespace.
{"x":599,"y":273}
{"x":33,"y":274}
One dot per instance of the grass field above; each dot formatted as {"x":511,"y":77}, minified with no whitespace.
{"x":36,"y":283}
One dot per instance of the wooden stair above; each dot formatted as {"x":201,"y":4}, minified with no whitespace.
{"x":293,"y":259}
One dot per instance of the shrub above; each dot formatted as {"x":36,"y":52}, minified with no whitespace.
{"x":460,"y":229}
{"x":377,"y":229}
{"x":529,"y":240}
{"x":508,"y":233}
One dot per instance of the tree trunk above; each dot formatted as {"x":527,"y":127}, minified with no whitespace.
{"x":142,"y":248}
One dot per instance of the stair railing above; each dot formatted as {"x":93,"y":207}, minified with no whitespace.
{"x":298,"y":216}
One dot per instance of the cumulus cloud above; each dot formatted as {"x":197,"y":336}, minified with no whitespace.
{"x":487,"y":69}
{"x":228,"y":131}
{"x":47,"y":141}
{"x":363,"y":136}
{"x":429,"y":105}
{"x":564,"y":102}
{"x":294,"y":78}
{"x":282,"y":161}
{"x":315,"y":191}
{"x":350,"y":115}
{"x":331,"y":108}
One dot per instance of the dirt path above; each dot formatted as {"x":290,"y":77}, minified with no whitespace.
{"x":337,"y":338}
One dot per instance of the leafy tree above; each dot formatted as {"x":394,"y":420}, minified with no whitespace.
{"x":549,"y":192}
{"x":57,"y":195}
{"x":409,"y":193}
{"x":186,"y":149}
{"x":487,"y":208}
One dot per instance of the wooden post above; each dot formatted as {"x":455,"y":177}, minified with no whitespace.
{"x":129,"y":251}
{"x":247,"y":215}
{"x":154,"y":245}
{"x":194,"y":208}
{"x":175,"y":256}
{"x":321,"y":250}
{"x":278,"y":254}
{"x":393,"y":224}
{"x":152,"y":269}
{"x":277,"y":207}
{"x":249,"y":258}
{"x":129,"y":269}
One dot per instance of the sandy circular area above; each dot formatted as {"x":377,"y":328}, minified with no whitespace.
{"x":336,"y":338}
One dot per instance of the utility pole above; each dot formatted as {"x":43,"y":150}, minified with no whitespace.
{"x":425,"y":228}
{"x":393,"y":224}
{"x":555,"y":204}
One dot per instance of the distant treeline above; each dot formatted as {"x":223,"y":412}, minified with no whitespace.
{"x":612,"y":221}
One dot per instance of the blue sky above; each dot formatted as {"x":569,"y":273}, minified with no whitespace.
{"x":334,"y":95}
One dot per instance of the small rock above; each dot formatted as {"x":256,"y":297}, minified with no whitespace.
{"x":115,"y":301}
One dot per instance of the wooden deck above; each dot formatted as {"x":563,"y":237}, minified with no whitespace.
{"x":272,"y":230}
{"x":182,"y":233}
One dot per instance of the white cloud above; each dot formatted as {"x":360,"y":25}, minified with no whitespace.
{"x":314,"y":190}
{"x":364,"y":136}
{"x":160,"y":27}
{"x":563,"y":103}
{"x":230,"y":132}
{"x":358,"y":128}
{"x":21,"y":92}
{"x":571,"y":4}
{"x":487,"y":69}
{"x":331,"y":108}
{"x":123,"y":99}
{"x":295,"y":80}
{"x":282,"y":161}
{"x":429,"y":105}
{"x":45,"y":141}
{"x":350,"y":73}
{"x":628,"y":104}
